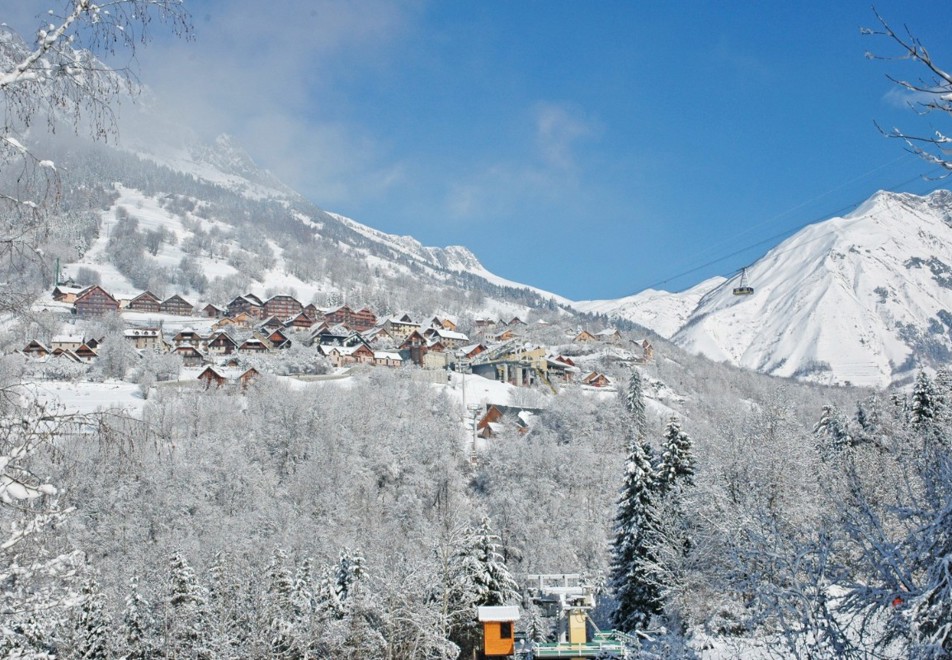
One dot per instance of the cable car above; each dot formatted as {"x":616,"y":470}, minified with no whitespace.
{"x":744,"y":289}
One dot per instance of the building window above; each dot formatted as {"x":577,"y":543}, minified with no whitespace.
{"x":505,"y":630}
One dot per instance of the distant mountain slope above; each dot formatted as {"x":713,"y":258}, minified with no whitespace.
{"x":661,"y":311}
{"x":863,"y":299}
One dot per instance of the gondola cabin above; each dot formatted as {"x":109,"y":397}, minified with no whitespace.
{"x":743,"y":288}
{"x":499,"y":622}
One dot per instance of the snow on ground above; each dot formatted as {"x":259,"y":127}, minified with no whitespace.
{"x":87,"y":397}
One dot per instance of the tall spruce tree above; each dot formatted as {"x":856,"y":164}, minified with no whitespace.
{"x":636,"y":592}
{"x":136,"y":641}
{"x":676,"y":467}
{"x":92,"y":632}
{"x":635,"y":404}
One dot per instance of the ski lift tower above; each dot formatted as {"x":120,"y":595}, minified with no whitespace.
{"x":564,"y":596}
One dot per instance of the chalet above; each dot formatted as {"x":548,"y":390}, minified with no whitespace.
{"x":213,"y":311}
{"x":66,"y":294}
{"x":60,"y":353}
{"x":253,"y":345}
{"x":145,"y":302}
{"x":187,"y":337}
{"x":505,"y":335}
{"x":336,"y":335}
{"x":94,"y":343}
{"x":515,"y":321}
{"x":67,"y":342}
{"x":361,"y":320}
{"x":387,"y":359}
{"x":191,"y":356}
{"x":470,"y":351}
{"x":584,"y":337}
{"x":279,"y":340}
{"x":248,"y":377}
{"x":445,"y":322}
{"x":248,"y":303}
{"x":95,"y":301}
{"x":610,"y":335}
{"x":378,"y":336}
{"x":498,"y":418}
{"x":282,"y":306}
{"x":36,"y":349}
{"x":596,"y":379}
{"x":222,"y":344}
{"x":300,"y":322}
{"x":344,"y":355}
{"x":647,"y":350}
{"x":85,"y":353}
{"x":400,"y":326}
{"x":449,"y":338}
{"x":177,"y":306}
{"x":484,"y":324}
{"x":558,"y":369}
{"x":145,"y":338}
{"x":239,"y":320}
{"x":312,"y":311}
{"x":212,"y":378}
{"x":271,"y":323}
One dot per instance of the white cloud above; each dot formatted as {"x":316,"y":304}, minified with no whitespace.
{"x":558,"y":127}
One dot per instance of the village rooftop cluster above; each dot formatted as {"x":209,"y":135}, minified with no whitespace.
{"x":345,"y":337}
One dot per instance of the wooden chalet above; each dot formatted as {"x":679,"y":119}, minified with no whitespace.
{"x":248,"y":377}
{"x":484,"y":323}
{"x":212,"y":378}
{"x":65,"y":354}
{"x":505,"y":335}
{"x":239,"y":320}
{"x":448,"y":338}
{"x":311,"y":310}
{"x":36,"y":349}
{"x":95,"y":301}
{"x":248,"y":303}
{"x":561,"y":369}
{"x":515,"y":321}
{"x":584,"y":337}
{"x":343,"y":355}
{"x":191,"y":356}
{"x":498,"y":418}
{"x":271,"y":323}
{"x":595,"y":379}
{"x":647,"y":350}
{"x":282,"y":306}
{"x":145,"y":302}
{"x":66,"y":294}
{"x":222,"y":344}
{"x":85,"y":353}
{"x":187,"y":337}
{"x":610,"y":335}
{"x":471,"y":351}
{"x":177,"y":306}
{"x":278,"y":339}
{"x":213,"y":311}
{"x":142,"y":338}
{"x":253,"y":345}
{"x":445,"y":322}
{"x":300,"y":322}
{"x":361,"y":320}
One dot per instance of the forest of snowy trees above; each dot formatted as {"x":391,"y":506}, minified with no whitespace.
{"x":348,"y":519}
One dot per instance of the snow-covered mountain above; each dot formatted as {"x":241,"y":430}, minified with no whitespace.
{"x":864,"y":299}
{"x":661,"y":311}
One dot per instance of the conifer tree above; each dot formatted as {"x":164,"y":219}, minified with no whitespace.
{"x":676,"y":466}
{"x":832,"y":433}
{"x":931,"y":612}
{"x":92,"y":625}
{"x":137,"y":626}
{"x":186,"y":611}
{"x":923,"y":407}
{"x":636,"y":592}
{"x":635,"y":404}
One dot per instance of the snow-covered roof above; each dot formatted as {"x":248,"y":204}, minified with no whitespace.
{"x":387,"y":355}
{"x":497,"y":613}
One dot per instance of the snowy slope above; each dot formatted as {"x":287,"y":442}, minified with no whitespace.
{"x":661,"y":311}
{"x":861,"y":299}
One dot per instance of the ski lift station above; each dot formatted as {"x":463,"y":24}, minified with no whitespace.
{"x":564,"y":598}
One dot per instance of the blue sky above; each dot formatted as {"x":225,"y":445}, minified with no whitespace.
{"x":589,"y":148}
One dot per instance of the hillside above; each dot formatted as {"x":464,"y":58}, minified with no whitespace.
{"x":863,"y":299}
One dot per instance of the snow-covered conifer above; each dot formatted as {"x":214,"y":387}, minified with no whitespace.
{"x":832,"y":433}
{"x":923,"y":406}
{"x":676,"y":466}
{"x":637,"y":594}
{"x":930,"y":613}
{"x":186,"y":611}
{"x":635,"y":404}
{"x":92,"y":632}
{"x":136,"y":629}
